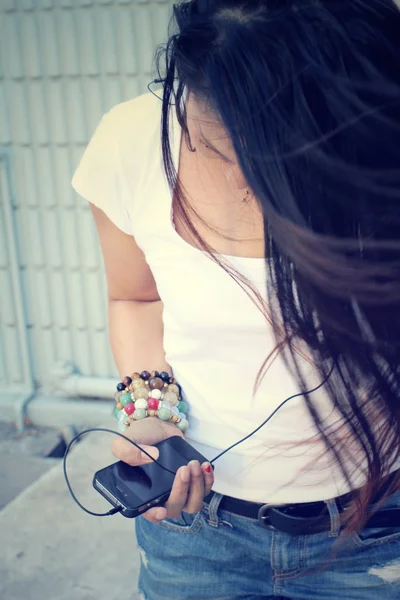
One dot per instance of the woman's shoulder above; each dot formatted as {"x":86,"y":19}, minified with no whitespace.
{"x":136,"y":117}
{"x":134,"y":130}
{"x":116,"y":161}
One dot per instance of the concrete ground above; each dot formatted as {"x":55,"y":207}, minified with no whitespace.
{"x":49,"y":548}
{"x":22,"y":458}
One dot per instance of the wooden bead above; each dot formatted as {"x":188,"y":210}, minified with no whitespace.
{"x":173,"y":388}
{"x":171,"y":398}
{"x":152,"y":413}
{"x":137,"y":383}
{"x":141,"y":393}
{"x":119,"y":406}
{"x":156,"y":383}
{"x":135,"y":375}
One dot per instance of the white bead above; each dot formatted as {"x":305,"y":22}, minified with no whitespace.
{"x":166,"y":404}
{"x":141,"y":403}
{"x":155,"y":394}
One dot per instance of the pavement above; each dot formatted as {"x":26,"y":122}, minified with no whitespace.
{"x":49,"y":548}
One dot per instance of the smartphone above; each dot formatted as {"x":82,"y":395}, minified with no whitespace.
{"x":136,"y":489}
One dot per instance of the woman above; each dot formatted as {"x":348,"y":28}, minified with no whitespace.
{"x":254,"y":252}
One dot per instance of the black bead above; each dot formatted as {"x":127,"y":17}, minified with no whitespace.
{"x":164,"y":376}
{"x":170,"y":380}
{"x":121,"y":387}
{"x":127,"y":381}
{"x":155,"y":374}
{"x":145,"y":375}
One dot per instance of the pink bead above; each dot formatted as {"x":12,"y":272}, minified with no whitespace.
{"x":152,"y":403}
{"x":129,"y":408}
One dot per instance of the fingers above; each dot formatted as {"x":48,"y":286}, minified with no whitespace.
{"x":179,"y":493}
{"x":155,"y":515}
{"x":208,"y":474}
{"x":131,"y":455}
{"x":192,"y":484}
{"x":146,"y":433}
{"x":196,"y":490}
{"x":201,"y":482}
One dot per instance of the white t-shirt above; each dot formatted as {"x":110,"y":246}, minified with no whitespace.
{"x":215,"y":338}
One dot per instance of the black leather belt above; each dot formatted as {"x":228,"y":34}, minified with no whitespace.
{"x":305,"y":518}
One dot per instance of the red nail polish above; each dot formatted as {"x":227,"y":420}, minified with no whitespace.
{"x":207,"y":469}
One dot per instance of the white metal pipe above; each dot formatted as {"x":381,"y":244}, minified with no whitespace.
{"x":87,"y":387}
{"x":57,"y":412}
{"x":67,"y":382}
{"x":63,"y":412}
{"x":25,"y":366}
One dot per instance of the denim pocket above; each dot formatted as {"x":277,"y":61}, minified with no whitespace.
{"x":369,"y":536}
{"x":375,"y":537}
{"x":185,"y":523}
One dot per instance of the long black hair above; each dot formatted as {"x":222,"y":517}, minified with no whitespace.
{"x":309,"y":93}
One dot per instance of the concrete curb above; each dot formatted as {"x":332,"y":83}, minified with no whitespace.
{"x":51,"y":550}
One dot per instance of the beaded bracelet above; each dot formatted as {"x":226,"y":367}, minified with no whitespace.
{"x":150,"y":395}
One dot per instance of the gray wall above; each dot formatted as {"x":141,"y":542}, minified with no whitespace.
{"x":63,"y":63}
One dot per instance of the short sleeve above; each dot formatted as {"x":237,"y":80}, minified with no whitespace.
{"x":99,"y":176}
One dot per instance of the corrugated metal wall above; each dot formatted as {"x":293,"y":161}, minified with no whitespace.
{"x":63,"y":63}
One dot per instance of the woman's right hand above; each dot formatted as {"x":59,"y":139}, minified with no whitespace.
{"x":192,"y":483}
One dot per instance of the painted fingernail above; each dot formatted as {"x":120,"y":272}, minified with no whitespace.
{"x":207,"y":467}
{"x":185,"y":474}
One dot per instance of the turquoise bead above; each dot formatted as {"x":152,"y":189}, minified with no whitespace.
{"x":125,"y":398}
{"x":183,"y":425}
{"x":175,"y":411}
{"x":164,"y":413}
{"x":122,"y":417}
{"x":140,"y":413}
{"x":122,"y":427}
{"x":182,"y":406}
{"x":119,"y":414}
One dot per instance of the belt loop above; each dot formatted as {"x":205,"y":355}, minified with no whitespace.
{"x":213,"y":509}
{"x":335,"y":517}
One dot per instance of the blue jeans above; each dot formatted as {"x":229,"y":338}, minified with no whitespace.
{"x":215,"y":555}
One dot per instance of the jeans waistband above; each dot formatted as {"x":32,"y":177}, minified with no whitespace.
{"x":308,"y":517}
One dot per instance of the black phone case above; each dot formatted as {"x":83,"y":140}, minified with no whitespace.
{"x":174,"y":453}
